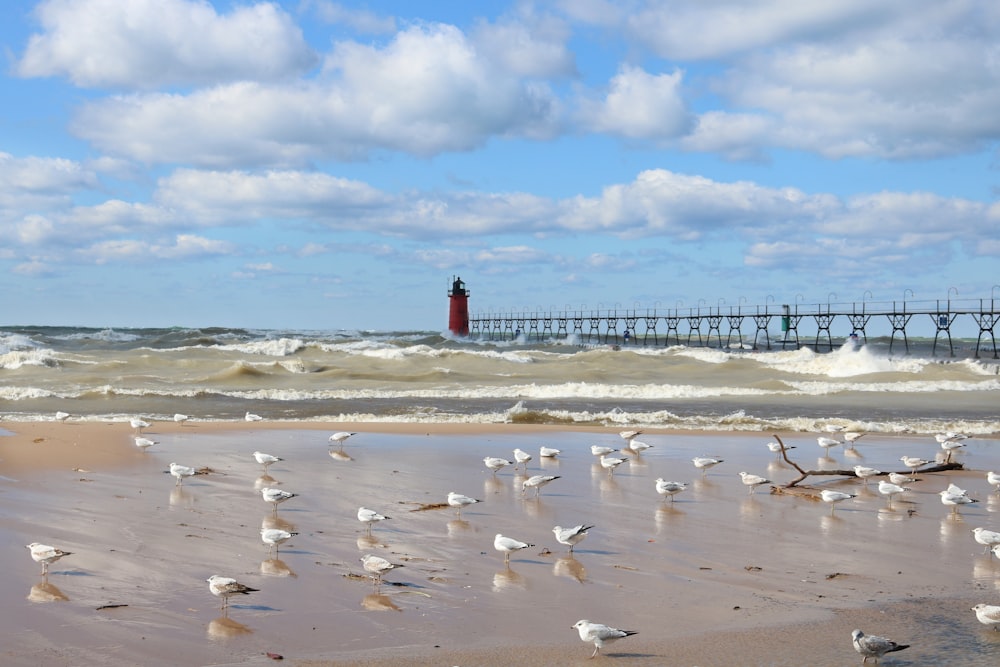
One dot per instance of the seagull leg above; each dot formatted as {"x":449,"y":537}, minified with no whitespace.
{"x":596,"y":650}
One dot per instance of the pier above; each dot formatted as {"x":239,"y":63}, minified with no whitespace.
{"x":749,"y":327}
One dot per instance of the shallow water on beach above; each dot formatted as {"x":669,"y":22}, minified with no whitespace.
{"x":220,"y":374}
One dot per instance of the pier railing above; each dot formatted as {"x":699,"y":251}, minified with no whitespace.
{"x":723,"y":326}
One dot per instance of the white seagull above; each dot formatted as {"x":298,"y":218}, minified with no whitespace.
{"x":827,"y":443}
{"x":548,"y":452}
{"x":834,"y":497}
{"x":601,"y":450}
{"x":950,"y":446}
{"x":536,"y":482}
{"x":609,"y":463}
{"x":988,"y":538}
{"x":370,"y":517}
{"x":864,"y":472}
{"x":571,"y":536}
{"x":179,"y":418}
{"x":180,"y":472}
{"x":703,"y":463}
{"x":913,"y":462}
{"x":638,"y":446}
{"x":340,"y":437}
{"x":251,"y":417}
{"x":669,"y":489}
{"x":950,"y":436}
{"x":753,"y":481}
{"x":62,"y":416}
{"x":775,"y":447}
{"x":900,"y":480}
{"x":629,"y":436}
{"x":888,"y":489}
{"x":988,"y":614}
{"x":599,"y":634}
{"x":377,"y":566}
{"x":276,"y":496}
{"x":872,"y":646}
{"x":138,"y":424}
{"x":266,"y":459}
{"x":495,"y":463}
{"x":274,"y":537}
{"x":460,"y":501}
{"x":144,"y":443}
{"x":521,"y":457}
{"x":46,"y":555}
{"x":226,"y":587}
{"x":507,"y":545}
{"x":852,"y":436}
{"x":954,"y":500}
{"x":994,"y":479}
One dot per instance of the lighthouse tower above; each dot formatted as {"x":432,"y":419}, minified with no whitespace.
{"x":458,"y":314}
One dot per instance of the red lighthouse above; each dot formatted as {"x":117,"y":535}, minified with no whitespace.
{"x":458,"y":315}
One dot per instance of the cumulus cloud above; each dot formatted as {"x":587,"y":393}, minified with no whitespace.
{"x":639,"y":105}
{"x":150,"y":43}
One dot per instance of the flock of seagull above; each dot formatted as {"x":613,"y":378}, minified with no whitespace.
{"x":868,"y":646}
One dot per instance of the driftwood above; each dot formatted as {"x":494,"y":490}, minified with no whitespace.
{"x":804,"y":474}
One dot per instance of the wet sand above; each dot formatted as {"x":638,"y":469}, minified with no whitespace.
{"x":718,"y":577}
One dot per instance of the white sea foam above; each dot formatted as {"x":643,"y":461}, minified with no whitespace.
{"x":32,"y":357}
{"x":279,"y":347}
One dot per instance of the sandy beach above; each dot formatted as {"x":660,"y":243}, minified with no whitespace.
{"x":718,"y":577}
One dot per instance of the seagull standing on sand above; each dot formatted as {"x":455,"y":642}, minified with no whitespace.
{"x":521,"y":457}
{"x":638,"y":446}
{"x":669,"y":489}
{"x":144,"y":443}
{"x":629,"y":436}
{"x":775,"y":447}
{"x":850,"y":437}
{"x":571,"y":536}
{"x":507,"y":545}
{"x":266,"y":459}
{"x":753,"y":481}
{"x":46,"y":555}
{"x":138,"y":424}
{"x":888,"y":489}
{"x":913,"y":462}
{"x":900,"y":480}
{"x":340,"y":437}
{"x":536,"y":482}
{"x":495,"y":463}
{"x":950,"y":446}
{"x":864,"y":472}
{"x":62,"y":416}
{"x":377,"y":566}
{"x":599,"y":634}
{"x":180,"y":472}
{"x":370,"y":517}
{"x":703,"y":463}
{"x":601,"y":450}
{"x":994,"y":479}
{"x":180,"y":419}
{"x":460,"y":501}
{"x":988,"y":538}
{"x":274,"y":537}
{"x":226,"y":587}
{"x":827,"y":443}
{"x":988,"y":614}
{"x":609,"y":463}
{"x":834,"y":497}
{"x":872,"y":646}
{"x":251,"y":417}
{"x":955,"y":500}
{"x":276,"y":496}
{"x":548,"y":452}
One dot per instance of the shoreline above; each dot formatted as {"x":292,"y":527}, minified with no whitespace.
{"x":707,"y":580}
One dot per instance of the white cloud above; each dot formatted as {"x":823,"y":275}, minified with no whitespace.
{"x":150,"y":43}
{"x":360,"y":20}
{"x":639,"y":105}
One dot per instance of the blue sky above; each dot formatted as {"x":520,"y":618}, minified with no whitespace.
{"x":314,"y":164}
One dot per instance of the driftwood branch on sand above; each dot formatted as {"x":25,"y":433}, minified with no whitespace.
{"x":805,"y":474}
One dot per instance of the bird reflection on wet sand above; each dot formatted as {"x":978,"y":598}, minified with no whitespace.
{"x":275,"y":567}
{"x":568,"y":566}
{"x":226,"y":628}
{"x":46,"y":592}
{"x":378,"y":602}
{"x":508,"y":579}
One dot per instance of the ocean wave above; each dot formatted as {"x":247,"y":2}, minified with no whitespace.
{"x":279,"y":347}
{"x":12,"y":342}
{"x":31,"y":357}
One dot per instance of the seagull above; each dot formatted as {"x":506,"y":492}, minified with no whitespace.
{"x":495,"y":463}
{"x":833,"y":428}
{"x":266,"y":459}
{"x":827,"y":443}
{"x":226,"y":587}
{"x":703,"y":463}
{"x":834,"y":497}
{"x":900,"y":480}
{"x":180,"y":472}
{"x":275,"y":536}
{"x":521,"y":456}
{"x":179,"y":418}
{"x":913,"y":462}
{"x":537,"y":482}
{"x":370,"y":517}
{"x":629,"y":436}
{"x":251,"y":417}
{"x":340,"y":437}
{"x":508,"y":545}
{"x":638,"y":446}
{"x":775,"y":447}
{"x":889,"y":490}
{"x":46,"y":555}
{"x":377,"y":566}
{"x":871,"y":646}
{"x":950,"y":446}
{"x":988,"y":614}
{"x":144,"y":443}
{"x":62,"y":416}
{"x":609,"y":463}
{"x":571,"y":536}
{"x":955,"y":499}
{"x":599,"y":634}
{"x":753,"y":481}
{"x":950,"y":436}
{"x":864,"y":472}
{"x":988,"y":538}
{"x":853,"y":436}
{"x":548,"y":452}
{"x":665,"y":488}
{"x":276,"y":496}
{"x":601,"y":450}
{"x":460,"y":501}
{"x":994,"y":479}
{"x":138,"y":424}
